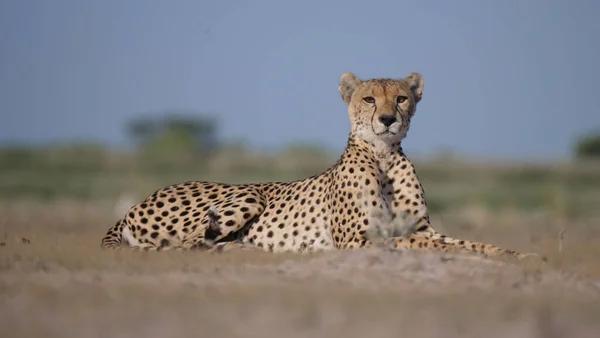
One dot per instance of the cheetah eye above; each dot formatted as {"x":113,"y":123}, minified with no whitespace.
{"x":369,"y":99}
{"x":401,"y":99}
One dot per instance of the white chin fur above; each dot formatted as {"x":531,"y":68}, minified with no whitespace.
{"x":370,"y":136}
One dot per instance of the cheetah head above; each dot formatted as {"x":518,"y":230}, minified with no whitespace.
{"x":381,"y":109}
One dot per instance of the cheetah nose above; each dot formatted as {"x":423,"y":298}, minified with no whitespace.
{"x":387,"y":120}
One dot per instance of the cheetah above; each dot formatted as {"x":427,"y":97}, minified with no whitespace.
{"x":328,"y":211}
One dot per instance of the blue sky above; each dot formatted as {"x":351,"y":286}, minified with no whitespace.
{"x":503,"y":79}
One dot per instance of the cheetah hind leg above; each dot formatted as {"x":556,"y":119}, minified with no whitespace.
{"x":213,"y":230}
{"x":202,"y":239}
{"x":119,"y":238}
{"x":206,"y":241}
{"x":205,"y":238}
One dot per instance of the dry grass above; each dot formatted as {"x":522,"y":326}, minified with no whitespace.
{"x":55,"y":281}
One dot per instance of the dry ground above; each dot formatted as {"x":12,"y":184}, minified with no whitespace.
{"x":56,"y":282}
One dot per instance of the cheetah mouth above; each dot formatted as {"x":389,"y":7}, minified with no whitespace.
{"x":385,"y":133}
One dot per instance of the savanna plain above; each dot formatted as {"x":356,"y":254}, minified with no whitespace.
{"x":56,"y":281}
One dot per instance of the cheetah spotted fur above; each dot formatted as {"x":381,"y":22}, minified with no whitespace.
{"x":332,"y":210}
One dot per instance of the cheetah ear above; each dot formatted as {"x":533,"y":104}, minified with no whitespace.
{"x":348,"y":84}
{"x":415,"y":83}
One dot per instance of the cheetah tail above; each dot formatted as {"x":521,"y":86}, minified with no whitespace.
{"x":114,"y":237}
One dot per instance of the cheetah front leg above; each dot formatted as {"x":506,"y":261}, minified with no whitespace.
{"x":404,"y":192}
{"x":356,"y":199}
{"x":359,"y":208}
{"x":420,"y":243}
{"x":414,"y":242}
{"x":479,"y":247}
{"x":421,"y":228}
{"x":398,"y":234}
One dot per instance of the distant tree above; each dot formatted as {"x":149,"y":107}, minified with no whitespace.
{"x":141,"y":129}
{"x":588,"y":146}
{"x":174,"y":138}
{"x":18,"y":157}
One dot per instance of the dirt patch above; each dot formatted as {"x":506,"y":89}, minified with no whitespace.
{"x":59,"y":283}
